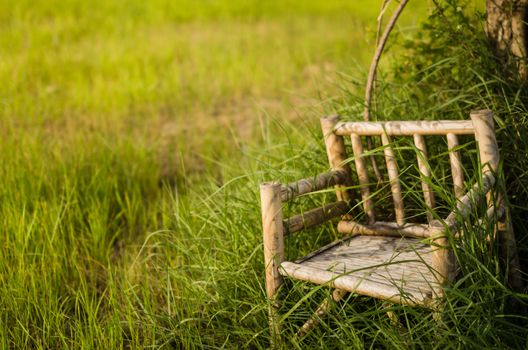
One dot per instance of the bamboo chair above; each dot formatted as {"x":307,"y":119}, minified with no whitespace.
{"x":399,"y":262}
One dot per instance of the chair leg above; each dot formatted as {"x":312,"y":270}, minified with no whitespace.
{"x":509,"y":253}
{"x":437,"y":311}
{"x":511,"y":257}
{"x":437,"y":315}
{"x":394,"y":320}
{"x":273,"y":239}
{"x":273,"y":311}
{"x":274,"y":325}
{"x":391,"y":315}
{"x":321,"y":311}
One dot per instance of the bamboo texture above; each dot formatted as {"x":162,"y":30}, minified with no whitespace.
{"x":321,"y":311}
{"x":362,"y":172}
{"x":311,"y":184}
{"x":485,"y":136}
{"x":442,"y":263}
{"x":489,"y":158}
{"x":470,"y":200}
{"x":457,"y":172}
{"x":315,"y":217}
{"x":405,"y":128}
{"x":272,"y":229}
{"x":392,"y":170}
{"x":336,"y":152}
{"x":350,"y":227}
{"x":487,"y":144}
{"x":510,"y":254}
{"x":425,"y":174}
{"x":353,"y":284}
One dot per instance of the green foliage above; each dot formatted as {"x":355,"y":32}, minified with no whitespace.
{"x":450,"y":70}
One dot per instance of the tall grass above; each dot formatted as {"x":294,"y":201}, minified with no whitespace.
{"x":134,"y":136}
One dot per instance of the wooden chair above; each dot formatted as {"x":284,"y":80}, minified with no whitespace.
{"x":406,"y":263}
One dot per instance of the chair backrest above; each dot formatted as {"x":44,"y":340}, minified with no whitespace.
{"x":480,"y":125}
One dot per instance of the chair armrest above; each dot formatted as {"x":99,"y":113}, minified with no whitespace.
{"x":315,"y":217}
{"x":472,"y":198}
{"x":304,"y":186}
{"x":312,"y":184}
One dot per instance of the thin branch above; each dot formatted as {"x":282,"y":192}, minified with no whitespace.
{"x":383,"y":9}
{"x":377,"y":56}
{"x":380,"y":45}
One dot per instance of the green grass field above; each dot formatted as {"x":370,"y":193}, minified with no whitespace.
{"x":133,"y":137}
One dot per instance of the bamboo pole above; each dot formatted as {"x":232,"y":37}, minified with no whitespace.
{"x":489,"y":159}
{"x":321,"y":311}
{"x":442,"y":262}
{"x":363,"y":177}
{"x":315,"y":216}
{"x":425,"y":173}
{"x":457,"y":171}
{"x":406,"y":128}
{"x":272,"y":229}
{"x":393,"y":317}
{"x":381,"y":228}
{"x":311,"y":184}
{"x":336,"y":152}
{"x":509,"y":252}
{"x":392,"y":170}
{"x":353,"y":284}
{"x":485,"y":136}
{"x":487,"y":145}
{"x":470,"y":200}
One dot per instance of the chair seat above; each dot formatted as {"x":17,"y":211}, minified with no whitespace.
{"x":391,"y":268}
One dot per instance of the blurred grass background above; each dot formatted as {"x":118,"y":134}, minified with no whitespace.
{"x":131,"y":66}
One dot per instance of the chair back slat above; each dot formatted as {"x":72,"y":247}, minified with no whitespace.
{"x":451,"y":129}
{"x":425,"y":174}
{"x":362,"y":172}
{"x":457,"y":172}
{"x":392,"y":170}
{"x":418,"y":130}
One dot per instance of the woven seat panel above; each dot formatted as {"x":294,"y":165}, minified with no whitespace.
{"x":397,"y":265}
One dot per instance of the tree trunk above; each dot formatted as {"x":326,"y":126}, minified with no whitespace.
{"x":507,"y":31}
